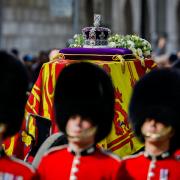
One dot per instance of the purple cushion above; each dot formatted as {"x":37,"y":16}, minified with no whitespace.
{"x":104,"y":51}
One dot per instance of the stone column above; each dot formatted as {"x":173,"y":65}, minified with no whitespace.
{"x":171,"y":25}
{"x":118,"y":20}
{"x":152,"y":21}
{"x":107,"y":12}
{"x":1,"y":20}
{"x":136,"y":11}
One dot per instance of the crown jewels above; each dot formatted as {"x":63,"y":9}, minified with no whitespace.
{"x":96,"y":36}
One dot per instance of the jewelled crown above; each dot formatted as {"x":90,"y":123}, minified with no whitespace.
{"x":96,"y":36}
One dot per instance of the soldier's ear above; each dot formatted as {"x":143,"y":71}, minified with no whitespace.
{"x":172,"y":133}
{"x":2,"y":129}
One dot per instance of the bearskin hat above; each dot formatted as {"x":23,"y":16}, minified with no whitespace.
{"x":157,"y":95}
{"x":85,"y":89}
{"x":14,"y":84}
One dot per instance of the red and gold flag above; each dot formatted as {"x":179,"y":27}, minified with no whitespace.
{"x":121,"y":140}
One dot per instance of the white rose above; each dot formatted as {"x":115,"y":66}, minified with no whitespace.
{"x":147,"y":53}
{"x":130,"y":43}
{"x":112,"y":44}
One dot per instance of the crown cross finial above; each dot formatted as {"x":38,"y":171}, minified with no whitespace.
{"x":97,"y":20}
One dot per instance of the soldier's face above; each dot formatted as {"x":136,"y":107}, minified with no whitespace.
{"x":80,"y":131}
{"x":155,"y":131}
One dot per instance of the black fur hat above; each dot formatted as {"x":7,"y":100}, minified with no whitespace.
{"x":85,"y":89}
{"x":13,"y":87}
{"x":156,"y":95}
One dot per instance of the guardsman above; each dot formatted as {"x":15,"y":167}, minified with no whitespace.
{"x":155,"y":116}
{"x":84,"y":108}
{"x":13,"y":87}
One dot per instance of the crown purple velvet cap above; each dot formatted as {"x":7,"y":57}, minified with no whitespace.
{"x":96,"y":35}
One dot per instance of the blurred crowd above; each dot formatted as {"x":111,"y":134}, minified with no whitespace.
{"x":33,"y":63}
{"x":160,"y":55}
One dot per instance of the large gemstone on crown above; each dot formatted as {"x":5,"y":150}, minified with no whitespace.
{"x":96,"y":36}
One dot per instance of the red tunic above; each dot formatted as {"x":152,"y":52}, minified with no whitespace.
{"x":60,"y":163}
{"x":142,"y":167}
{"x":13,"y":168}
{"x":177,"y":153}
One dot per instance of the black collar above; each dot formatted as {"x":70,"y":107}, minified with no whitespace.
{"x":83,"y":152}
{"x":2,"y":153}
{"x":159,"y":157}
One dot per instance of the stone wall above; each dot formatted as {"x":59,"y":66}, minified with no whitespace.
{"x":29,"y":26}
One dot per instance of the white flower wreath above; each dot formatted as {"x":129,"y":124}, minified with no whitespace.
{"x":139,"y":46}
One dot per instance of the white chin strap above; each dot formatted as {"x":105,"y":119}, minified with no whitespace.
{"x":83,"y":135}
{"x":159,"y":135}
